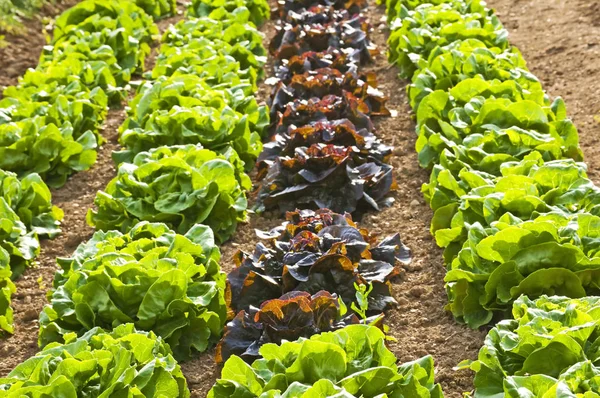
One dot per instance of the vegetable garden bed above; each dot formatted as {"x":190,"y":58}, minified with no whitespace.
{"x":417,"y":321}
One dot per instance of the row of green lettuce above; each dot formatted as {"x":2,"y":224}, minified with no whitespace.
{"x":50,"y":121}
{"x":514,"y":208}
{"x":151,"y":267}
{"x":193,"y":131}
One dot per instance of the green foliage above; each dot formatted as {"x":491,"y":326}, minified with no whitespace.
{"x":7,"y":288}
{"x":178,"y":185}
{"x":158,"y":8}
{"x":550,"y":349}
{"x":416,"y":33}
{"x":259,"y":9}
{"x":26,"y":212}
{"x":12,"y":13}
{"x":351,"y":362}
{"x":463,"y":59}
{"x":183,"y":109}
{"x":31,"y":200}
{"x":50,"y":121}
{"x":50,"y":136}
{"x":152,"y":277}
{"x":121,"y":363}
{"x":514,"y":210}
{"x":223,"y":48}
{"x":99,"y":30}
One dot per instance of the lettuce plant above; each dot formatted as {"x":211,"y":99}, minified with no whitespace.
{"x":316,"y":251}
{"x":180,"y":186}
{"x":152,"y":277}
{"x":21,"y":244}
{"x":124,"y":362}
{"x":351,"y":362}
{"x":349,"y":36}
{"x":335,"y":132}
{"x":223,"y":48}
{"x":7,"y":289}
{"x":479,"y":117}
{"x":550,"y":348}
{"x":326,"y":176}
{"x":259,"y":9}
{"x":328,"y":81}
{"x":30,"y":199}
{"x":97,"y":29}
{"x":295,"y":314}
{"x":289,"y":10}
{"x":463,"y":59}
{"x":184,"y":110}
{"x":418,"y":32}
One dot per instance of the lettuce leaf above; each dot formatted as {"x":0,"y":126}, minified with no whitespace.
{"x":7,"y":289}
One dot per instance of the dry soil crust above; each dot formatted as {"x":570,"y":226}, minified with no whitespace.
{"x":559,"y":38}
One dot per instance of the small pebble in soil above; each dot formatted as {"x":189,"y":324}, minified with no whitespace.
{"x":30,"y":315}
{"x":417,"y":291}
{"x":402,"y":302}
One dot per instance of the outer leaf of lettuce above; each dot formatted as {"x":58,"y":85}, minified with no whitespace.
{"x":7,"y":288}
{"x":30,"y":199}
{"x":21,"y":245}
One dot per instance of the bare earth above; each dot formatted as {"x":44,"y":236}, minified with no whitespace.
{"x":561,"y":41}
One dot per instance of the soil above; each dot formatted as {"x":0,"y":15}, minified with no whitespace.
{"x":24,"y":47}
{"x":561,"y":41}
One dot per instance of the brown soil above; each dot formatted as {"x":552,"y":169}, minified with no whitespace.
{"x":24,"y":47}
{"x":559,"y":38}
